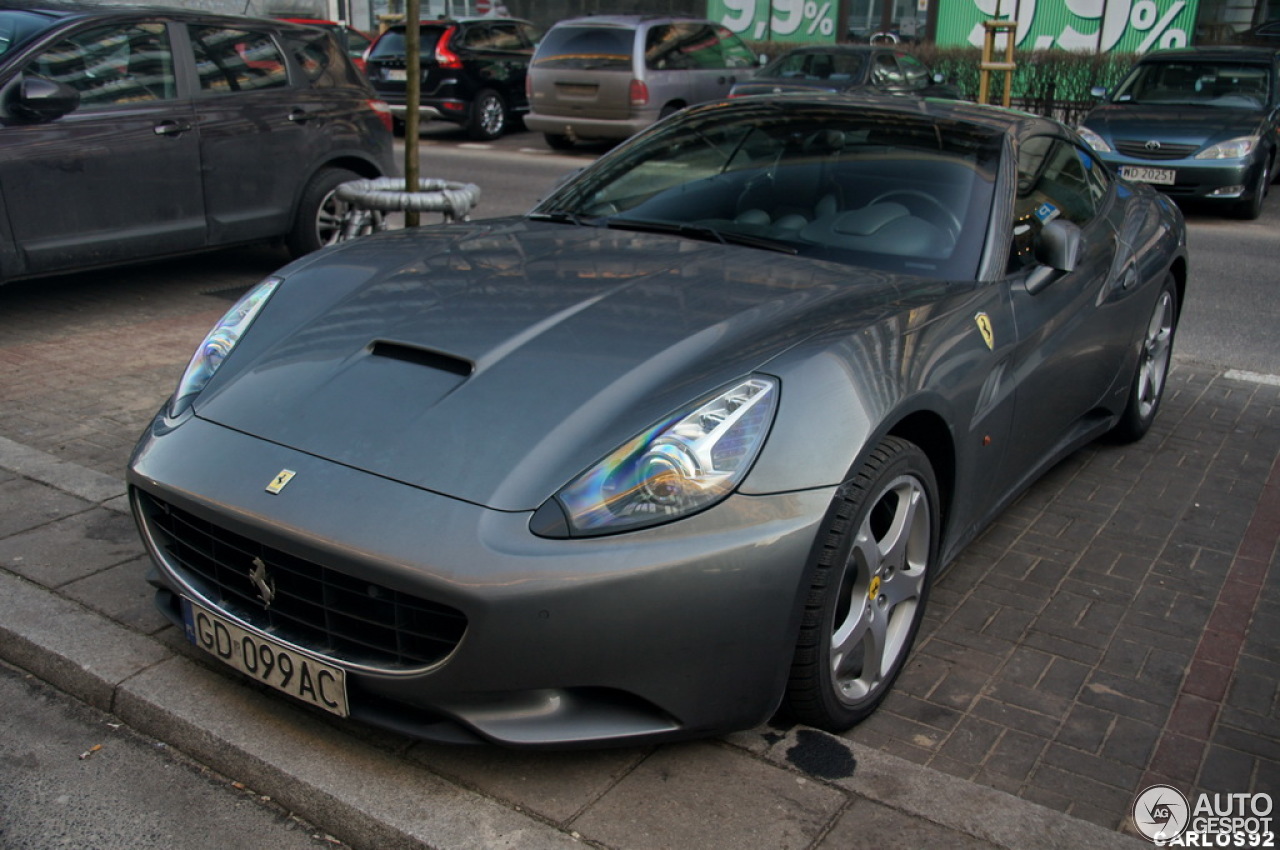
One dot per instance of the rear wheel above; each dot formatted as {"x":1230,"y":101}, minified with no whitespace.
{"x":868,"y":590}
{"x":488,"y":116}
{"x":319,"y":218}
{"x":1153,"y":367}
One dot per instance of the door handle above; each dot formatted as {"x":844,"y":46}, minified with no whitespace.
{"x":300,"y":116}
{"x":171,"y":128}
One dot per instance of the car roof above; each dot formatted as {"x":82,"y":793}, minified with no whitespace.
{"x":1234,"y":52}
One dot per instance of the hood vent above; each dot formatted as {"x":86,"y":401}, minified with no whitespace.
{"x":423,"y":357}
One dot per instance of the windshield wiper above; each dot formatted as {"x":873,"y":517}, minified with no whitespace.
{"x":701,"y":231}
{"x":562,"y":217}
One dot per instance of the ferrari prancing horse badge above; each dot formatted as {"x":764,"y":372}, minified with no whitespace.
{"x":984,"y":325}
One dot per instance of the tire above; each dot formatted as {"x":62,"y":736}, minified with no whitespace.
{"x":1149,"y":378}
{"x":317,"y":221}
{"x":868,"y":591}
{"x":1252,"y":208}
{"x":558,"y":141}
{"x":488,"y":116}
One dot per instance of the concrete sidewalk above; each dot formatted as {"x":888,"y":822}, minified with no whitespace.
{"x":74,"y":611}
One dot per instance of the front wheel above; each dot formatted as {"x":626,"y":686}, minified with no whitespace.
{"x":320,"y":216}
{"x":488,"y":116}
{"x":1153,"y":367}
{"x":1252,"y":208}
{"x":868,"y":589}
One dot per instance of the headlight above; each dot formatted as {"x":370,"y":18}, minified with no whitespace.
{"x":1233,"y":149}
{"x":1094,"y":140}
{"x":218,"y":344}
{"x":685,"y":463}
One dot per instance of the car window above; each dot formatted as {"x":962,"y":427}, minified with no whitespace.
{"x":736,"y":53}
{"x":531,"y":34}
{"x":18,"y":26}
{"x":684,"y":46}
{"x":884,"y":71}
{"x":1225,"y":84}
{"x":390,"y":45}
{"x":478,"y":37}
{"x":586,"y":48}
{"x":1052,"y":183}
{"x":838,"y":67}
{"x":505,"y":37}
{"x":914,"y":73}
{"x":233,"y":60}
{"x":110,"y":65}
{"x":320,"y":58}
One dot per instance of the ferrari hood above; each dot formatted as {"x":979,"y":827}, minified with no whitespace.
{"x":1172,"y":124}
{"x":494,"y":363}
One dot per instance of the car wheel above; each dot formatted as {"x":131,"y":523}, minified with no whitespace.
{"x":1153,"y":368}
{"x":1252,"y":208}
{"x":488,"y":116}
{"x":558,"y":141}
{"x":318,"y":220}
{"x":868,"y":589}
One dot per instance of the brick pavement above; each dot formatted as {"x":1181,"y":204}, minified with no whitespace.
{"x":1117,"y":626}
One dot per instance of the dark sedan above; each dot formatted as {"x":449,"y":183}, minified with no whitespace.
{"x":1197,"y":123}
{"x":869,"y":69}
{"x":686,"y":444}
{"x":128,"y":134}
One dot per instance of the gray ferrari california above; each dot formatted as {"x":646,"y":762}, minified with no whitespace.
{"x":684,"y":446}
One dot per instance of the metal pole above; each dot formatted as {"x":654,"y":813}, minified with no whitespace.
{"x":412,"y":93}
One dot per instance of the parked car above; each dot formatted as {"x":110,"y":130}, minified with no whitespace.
{"x":352,"y":40}
{"x":847,"y":68}
{"x":130,"y":134}
{"x":473,"y":71}
{"x":608,"y":77}
{"x":1198,"y":123}
{"x":687,"y":442}
{"x":1264,"y":35}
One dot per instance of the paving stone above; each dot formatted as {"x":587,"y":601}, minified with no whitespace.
{"x":892,"y":831}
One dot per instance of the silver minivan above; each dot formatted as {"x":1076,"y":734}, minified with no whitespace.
{"x":607,"y":77}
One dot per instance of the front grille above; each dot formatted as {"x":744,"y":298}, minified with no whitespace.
{"x":314,"y":607}
{"x":1139,"y":150}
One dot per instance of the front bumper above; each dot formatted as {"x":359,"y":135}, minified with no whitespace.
{"x":1212,"y":180}
{"x":676,"y":631}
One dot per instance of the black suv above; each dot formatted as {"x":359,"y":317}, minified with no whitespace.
{"x":473,"y":71}
{"x":128,"y":134}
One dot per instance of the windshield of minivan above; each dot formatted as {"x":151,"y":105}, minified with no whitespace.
{"x":1223,"y":84}
{"x":590,"y":48}
{"x":18,"y":27}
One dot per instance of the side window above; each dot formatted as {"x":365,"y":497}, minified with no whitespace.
{"x":320,"y":59}
{"x":231,"y":60}
{"x":506,"y":37}
{"x":914,"y":74}
{"x":1097,"y":174}
{"x":736,"y":54}
{"x":1052,"y":183}
{"x":121,"y":63}
{"x":885,"y":71}
{"x":683,"y":46}
{"x":478,"y":37}
{"x":531,"y":34}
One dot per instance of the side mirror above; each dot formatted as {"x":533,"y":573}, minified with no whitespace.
{"x":41,"y":99}
{"x":1057,"y":251}
{"x":1099,"y":92}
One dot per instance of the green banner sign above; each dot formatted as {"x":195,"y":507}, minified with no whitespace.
{"x":1132,"y":26}
{"x":778,"y":20}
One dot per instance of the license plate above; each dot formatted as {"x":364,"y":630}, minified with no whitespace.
{"x":397,"y":75}
{"x":1163,"y":176}
{"x":270,"y":662}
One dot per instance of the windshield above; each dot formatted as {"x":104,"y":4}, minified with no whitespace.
{"x":813,"y":67}
{"x":888,"y":190}
{"x":1223,"y":84}
{"x":18,"y":27}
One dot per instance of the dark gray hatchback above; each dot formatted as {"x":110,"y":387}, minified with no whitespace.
{"x":128,"y":134}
